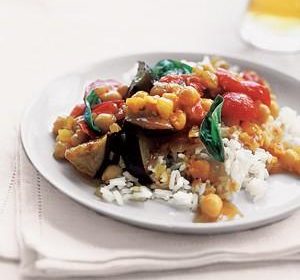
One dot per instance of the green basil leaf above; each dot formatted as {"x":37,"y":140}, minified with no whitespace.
{"x":90,"y":100}
{"x":210,"y":133}
{"x":143,"y":80}
{"x":170,"y":66}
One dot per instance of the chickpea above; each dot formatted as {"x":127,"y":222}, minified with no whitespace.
{"x":83,"y":137}
{"x":75,"y":140}
{"x":263,"y":113}
{"x":199,"y":169}
{"x":208,"y":77}
{"x":101,"y":90}
{"x":274,"y":109}
{"x":123,"y":90}
{"x":104,"y":121}
{"x":173,"y":97}
{"x":60,"y":149}
{"x":141,"y":94}
{"x":64,"y":135}
{"x":111,"y":172}
{"x":158,"y":90}
{"x":188,"y":96}
{"x":58,"y":124}
{"x":111,"y":96}
{"x":151,"y":102}
{"x":206,"y":103}
{"x":211,"y":205}
{"x":113,"y":128}
{"x":135,"y":104}
{"x":290,"y":159}
{"x":164,"y":107}
{"x":178,"y":119}
{"x":78,"y":138}
{"x":217,"y":62}
{"x":162,"y":88}
{"x":63,"y":122}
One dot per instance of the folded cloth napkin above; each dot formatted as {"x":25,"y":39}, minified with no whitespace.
{"x":59,"y":237}
{"x":8,"y":241}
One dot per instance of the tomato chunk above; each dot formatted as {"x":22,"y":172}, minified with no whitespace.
{"x":107,"y":107}
{"x":78,"y":110}
{"x":229,"y":83}
{"x":84,"y":127}
{"x":110,"y":107}
{"x":184,"y":79}
{"x":250,"y":75}
{"x":195,"y":113}
{"x":238,"y":107}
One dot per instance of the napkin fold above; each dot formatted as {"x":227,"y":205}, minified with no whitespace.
{"x":59,"y":238}
{"x":8,"y":242}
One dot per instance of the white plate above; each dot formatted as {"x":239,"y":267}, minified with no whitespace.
{"x":283,"y":196}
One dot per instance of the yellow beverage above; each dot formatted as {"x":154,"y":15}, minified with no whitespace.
{"x":280,"y":8}
{"x":273,"y":24}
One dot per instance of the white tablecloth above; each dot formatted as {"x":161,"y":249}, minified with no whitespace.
{"x":41,"y":40}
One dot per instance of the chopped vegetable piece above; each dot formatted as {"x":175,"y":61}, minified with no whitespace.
{"x":135,"y":153}
{"x":84,"y":127}
{"x":99,"y":85}
{"x":229,"y":83}
{"x":91,"y":100}
{"x":196,"y":113}
{"x":238,"y":107}
{"x":252,"y":76}
{"x":78,"y":110}
{"x":170,"y":66}
{"x":184,"y":79}
{"x":143,"y":80}
{"x":88,"y":157}
{"x":210,"y":130}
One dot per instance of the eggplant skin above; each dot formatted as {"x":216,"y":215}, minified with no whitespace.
{"x":143,"y":80}
{"x":112,"y":153}
{"x":132,"y":156}
{"x":88,"y":157}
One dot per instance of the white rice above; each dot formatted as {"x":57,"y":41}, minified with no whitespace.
{"x":118,"y":197}
{"x":289,"y":119}
{"x":162,"y":194}
{"x":182,"y":199}
{"x":246,"y":168}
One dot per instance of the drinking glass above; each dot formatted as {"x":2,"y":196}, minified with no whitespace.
{"x":273,"y":25}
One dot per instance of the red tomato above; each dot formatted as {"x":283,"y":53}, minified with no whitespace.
{"x":111,"y":84}
{"x":252,"y":76}
{"x":184,"y":79}
{"x":195,"y":114}
{"x":173,"y":78}
{"x":108,"y":107}
{"x":194,"y":81}
{"x":238,"y":107}
{"x":84,"y":127}
{"x":78,"y":110}
{"x":228,"y":82}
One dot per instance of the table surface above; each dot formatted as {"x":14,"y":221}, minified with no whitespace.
{"x":42,"y":39}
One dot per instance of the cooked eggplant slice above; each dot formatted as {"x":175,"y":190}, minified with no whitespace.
{"x":88,"y":157}
{"x":135,"y":153}
{"x":112,"y":153}
{"x":143,"y":80}
{"x":151,"y":123}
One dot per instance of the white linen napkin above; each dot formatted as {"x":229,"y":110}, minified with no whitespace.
{"x":59,"y":237}
{"x":8,"y":241}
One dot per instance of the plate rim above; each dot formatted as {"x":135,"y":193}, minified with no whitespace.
{"x":183,"y":227}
